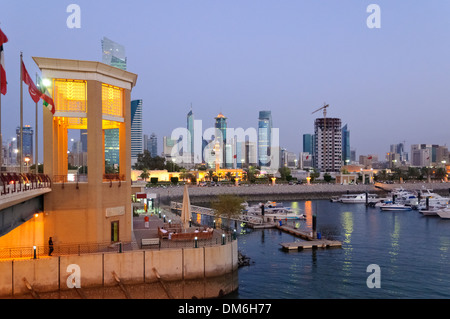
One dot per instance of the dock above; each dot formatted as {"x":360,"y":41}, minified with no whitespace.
{"x":309,"y":242}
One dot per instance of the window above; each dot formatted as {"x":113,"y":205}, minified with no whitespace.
{"x":112,"y":100}
{"x":70,"y":95}
{"x":115,"y":231}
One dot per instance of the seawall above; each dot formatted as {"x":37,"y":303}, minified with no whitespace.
{"x":204,"y":272}
{"x":285,"y":192}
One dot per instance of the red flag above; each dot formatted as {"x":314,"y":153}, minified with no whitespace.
{"x":32,"y":88}
{"x":3,"y":39}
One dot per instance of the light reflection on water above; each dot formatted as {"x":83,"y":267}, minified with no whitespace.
{"x":412,"y":251}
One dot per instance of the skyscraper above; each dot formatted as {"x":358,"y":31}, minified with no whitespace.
{"x":264,"y":138}
{"x":27,"y":133}
{"x":221,"y":136}
{"x":113,"y":54}
{"x":190,"y":128}
{"x":345,"y":145}
{"x":136,"y":130}
{"x":153,"y":145}
{"x":328,"y":144}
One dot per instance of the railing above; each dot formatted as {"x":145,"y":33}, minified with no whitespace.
{"x":90,"y":248}
{"x":16,"y":182}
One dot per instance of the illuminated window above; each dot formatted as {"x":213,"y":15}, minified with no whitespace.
{"x":70,"y":95}
{"x":112,"y":100}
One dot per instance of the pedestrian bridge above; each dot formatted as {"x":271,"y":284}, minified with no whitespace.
{"x":21,"y":196}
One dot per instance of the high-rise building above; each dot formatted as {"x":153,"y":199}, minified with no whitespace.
{"x":27,"y":133}
{"x":264,"y":138}
{"x":83,"y":140}
{"x":221,"y":137}
{"x":190,"y":128}
{"x":308,"y":143}
{"x":153,"y":145}
{"x":112,"y":149}
{"x":346,"y":155}
{"x":113,"y":54}
{"x":136,"y":130}
{"x":328,"y":144}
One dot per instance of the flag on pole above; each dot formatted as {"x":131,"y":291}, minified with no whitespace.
{"x":34,"y":91}
{"x":45,"y":95}
{"x":3,"y":39}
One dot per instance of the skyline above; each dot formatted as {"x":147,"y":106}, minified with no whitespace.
{"x":242,"y":58}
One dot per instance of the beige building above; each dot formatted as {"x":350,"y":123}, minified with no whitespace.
{"x":93,"y":96}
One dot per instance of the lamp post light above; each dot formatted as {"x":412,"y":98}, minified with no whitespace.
{"x":195,"y":242}
{"x":234,"y":234}
{"x":164,"y":218}
{"x":223,"y":239}
{"x":34,"y":252}
{"x":214,"y":224}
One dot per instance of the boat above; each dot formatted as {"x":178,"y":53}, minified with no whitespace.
{"x":357,"y":198}
{"x":395,"y":207}
{"x":272,"y":211}
{"x":334,"y":199}
{"x":444,"y":213}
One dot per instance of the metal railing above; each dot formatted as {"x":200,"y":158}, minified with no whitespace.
{"x":17,"y":182}
{"x":119,"y":247}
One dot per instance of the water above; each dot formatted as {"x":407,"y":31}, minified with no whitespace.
{"x":412,"y":251}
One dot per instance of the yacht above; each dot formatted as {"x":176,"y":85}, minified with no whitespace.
{"x":357,"y":198}
{"x":272,"y":211}
{"x":444,"y":213}
{"x":395,"y":207}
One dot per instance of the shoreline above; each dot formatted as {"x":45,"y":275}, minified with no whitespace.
{"x":280,"y":192}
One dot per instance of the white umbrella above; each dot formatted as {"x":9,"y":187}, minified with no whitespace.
{"x":185,"y":209}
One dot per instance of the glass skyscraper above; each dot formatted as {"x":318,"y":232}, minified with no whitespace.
{"x":136,"y":130}
{"x":27,"y":141}
{"x":221,"y":135}
{"x":345,"y":145}
{"x":113,"y":54}
{"x":112,"y":149}
{"x":153,"y":145}
{"x":190,"y":128}
{"x":264,"y":137}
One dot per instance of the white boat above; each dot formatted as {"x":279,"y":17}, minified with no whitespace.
{"x":357,"y":198}
{"x":272,"y":211}
{"x":444,"y":213}
{"x":395,"y":207}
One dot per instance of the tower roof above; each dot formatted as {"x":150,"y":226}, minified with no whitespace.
{"x":220,"y":116}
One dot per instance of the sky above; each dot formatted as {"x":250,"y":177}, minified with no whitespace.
{"x":389,"y":84}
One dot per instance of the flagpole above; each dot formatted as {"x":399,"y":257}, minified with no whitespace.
{"x":21,"y":116}
{"x":1,"y":136}
{"x":36,"y":136}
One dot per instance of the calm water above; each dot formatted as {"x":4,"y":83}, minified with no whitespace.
{"x":413,"y":252}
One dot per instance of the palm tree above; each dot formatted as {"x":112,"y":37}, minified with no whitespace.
{"x":145,"y":174}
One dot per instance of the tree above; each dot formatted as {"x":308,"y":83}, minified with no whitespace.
{"x":284,"y":172}
{"x":145,"y":160}
{"x":227,"y":206}
{"x":145,"y":174}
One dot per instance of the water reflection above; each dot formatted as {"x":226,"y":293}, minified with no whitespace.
{"x":347,"y":226}
{"x":308,"y":213}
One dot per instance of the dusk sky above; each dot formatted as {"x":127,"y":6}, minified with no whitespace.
{"x":389,"y":84}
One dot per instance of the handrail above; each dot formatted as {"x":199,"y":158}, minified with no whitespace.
{"x":20,"y":182}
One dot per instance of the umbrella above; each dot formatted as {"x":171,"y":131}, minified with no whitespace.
{"x":186,"y":208}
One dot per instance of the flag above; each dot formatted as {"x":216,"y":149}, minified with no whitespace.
{"x":3,"y":39}
{"x":45,"y":95}
{"x":34,"y":91}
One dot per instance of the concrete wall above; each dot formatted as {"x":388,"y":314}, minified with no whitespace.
{"x":134,"y":267}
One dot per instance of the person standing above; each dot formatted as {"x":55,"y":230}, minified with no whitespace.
{"x":50,"y":246}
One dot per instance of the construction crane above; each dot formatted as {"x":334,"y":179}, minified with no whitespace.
{"x":324,"y":141}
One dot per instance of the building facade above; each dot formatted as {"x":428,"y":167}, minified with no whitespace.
{"x":328,"y":144}
{"x":221,"y":140}
{"x":264,"y":138}
{"x":346,"y":155}
{"x":136,"y":130}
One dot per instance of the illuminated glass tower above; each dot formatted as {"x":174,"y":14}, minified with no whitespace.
{"x":136,"y":130}
{"x":190,"y":128}
{"x":264,"y":137}
{"x":113,"y":54}
{"x":27,"y":141}
{"x":345,"y":145}
{"x":221,"y":136}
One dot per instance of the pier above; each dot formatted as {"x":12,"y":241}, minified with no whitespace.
{"x":309,"y":242}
